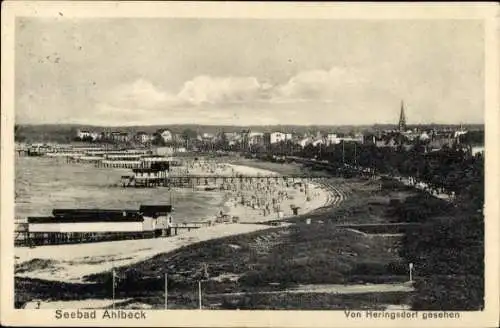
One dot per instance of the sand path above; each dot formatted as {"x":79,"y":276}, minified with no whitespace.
{"x":335,"y":289}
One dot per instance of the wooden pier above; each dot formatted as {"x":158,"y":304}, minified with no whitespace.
{"x":23,"y":237}
{"x":188,"y":226}
{"x":59,"y":238}
{"x":213,"y":181}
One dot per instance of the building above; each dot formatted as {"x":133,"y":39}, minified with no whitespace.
{"x":92,"y":225}
{"x":105,"y":135}
{"x":88,"y":135}
{"x":276,"y":137}
{"x":475,"y":150}
{"x":255,"y":138}
{"x":332,"y":139}
{"x":232,"y":138}
{"x":438,"y":142}
{"x":207,"y":136}
{"x":402,"y":118}
{"x":142,"y":137}
{"x":358,"y":137}
{"x":166,"y":135}
{"x":160,"y":215}
{"x":304,"y":141}
{"x":149,"y":173}
{"x":95,"y":135}
{"x":424,"y":136}
{"x":318,"y":141}
{"x":118,"y":136}
{"x":83,"y":134}
{"x":386,"y":142}
{"x":459,"y":133}
{"x":150,"y":159}
{"x":178,"y":138}
{"x":86,"y":220}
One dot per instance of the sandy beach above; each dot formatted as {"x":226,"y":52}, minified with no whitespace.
{"x":71,"y":263}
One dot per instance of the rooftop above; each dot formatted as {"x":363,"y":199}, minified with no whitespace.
{"x":102,"y":215}
{"x":87,"y":218}
{"x":155,"y":210}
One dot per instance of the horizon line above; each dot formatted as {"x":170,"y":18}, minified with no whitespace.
{"x":244,"y":125}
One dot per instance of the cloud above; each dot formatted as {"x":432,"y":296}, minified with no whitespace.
{"x":223,"y":90}
{"x":206,"y":91}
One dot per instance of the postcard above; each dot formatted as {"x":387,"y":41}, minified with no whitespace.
{"x":228,"y":164}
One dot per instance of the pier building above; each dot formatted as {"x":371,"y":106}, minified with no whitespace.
{"x":153,"y":175}
{"x":93,"y":225}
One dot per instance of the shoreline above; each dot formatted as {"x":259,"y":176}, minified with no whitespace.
{"x":70,"y":263}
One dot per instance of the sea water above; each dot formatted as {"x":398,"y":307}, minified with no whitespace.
{"x":44,"y":183}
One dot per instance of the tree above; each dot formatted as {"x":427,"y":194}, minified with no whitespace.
{"x":189,"y":134}
{"x":18,"y":136}
{"x":222,"y":142}
{"x":157,"y":140}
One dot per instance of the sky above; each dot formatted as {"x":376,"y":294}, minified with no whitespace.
{"x":141,"y":71}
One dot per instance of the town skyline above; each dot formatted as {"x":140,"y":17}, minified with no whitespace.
{"x":247,"y":72}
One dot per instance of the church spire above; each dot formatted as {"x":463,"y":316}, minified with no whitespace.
{"x":402,"y":118}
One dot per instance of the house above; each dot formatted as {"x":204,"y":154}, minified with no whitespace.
{"x":424,"y":136}
{"x":358,"y":137}
{"x":437,"y":143}
{"x":83,"y":134}
{"x":161,"y":215}
{"x":275,"y":137}
{"x":332,"y":139}
{"x":382,"y":143}
{"x":178,"y":138}
{"x":477,"y":150}
{"x":232,"y":137}
{"x":304,"y":142}
{"x":370,"y":139}
{"x":459,"y":133}
{"x":95,"y":135}
{"x":118,"y":136}
{"x":318,"y":141}
{"x":105,"y":135}
{"x":166,"y":135}
{"x":255,"y":138}
{"x":142,"y":137}
{"x":208,"y":137}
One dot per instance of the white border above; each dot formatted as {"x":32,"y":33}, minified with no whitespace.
{"x":483,"y":11}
